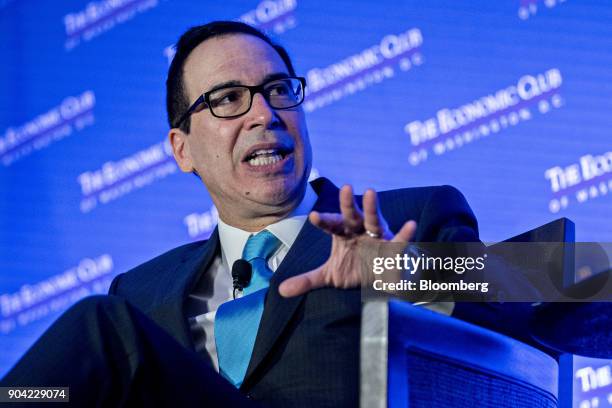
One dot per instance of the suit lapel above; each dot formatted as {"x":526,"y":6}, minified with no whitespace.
{"x":178,"y":285}
{"x":310,"y":249}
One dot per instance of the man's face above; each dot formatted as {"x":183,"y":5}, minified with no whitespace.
{"x":221,"y":150}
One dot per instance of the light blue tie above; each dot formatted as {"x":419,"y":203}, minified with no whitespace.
{"x":237,"y":321}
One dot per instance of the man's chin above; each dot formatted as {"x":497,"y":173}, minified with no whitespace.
{"x":278,"y":192}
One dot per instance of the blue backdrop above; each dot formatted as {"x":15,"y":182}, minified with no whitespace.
{"x":510,"y":101}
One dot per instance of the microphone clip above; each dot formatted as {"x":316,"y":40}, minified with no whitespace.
{"x":241,"y":275}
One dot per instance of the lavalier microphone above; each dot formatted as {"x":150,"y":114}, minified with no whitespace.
{"x":241,"y":275}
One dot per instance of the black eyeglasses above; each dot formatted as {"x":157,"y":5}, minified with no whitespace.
{"x":232,"y":101}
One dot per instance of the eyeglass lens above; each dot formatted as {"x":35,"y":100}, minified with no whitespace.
{"x":280,"y":94}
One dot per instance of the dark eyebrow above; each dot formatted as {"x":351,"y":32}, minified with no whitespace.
{"x":233,"y":82}
{"x":276,"y":75}
{"x":224,"y":85}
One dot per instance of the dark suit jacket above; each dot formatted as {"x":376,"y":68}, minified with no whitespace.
{"x":307,"y":349}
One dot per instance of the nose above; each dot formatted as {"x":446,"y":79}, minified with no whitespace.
{"x":262,"y":114}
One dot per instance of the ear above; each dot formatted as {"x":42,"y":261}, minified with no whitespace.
{"x":180,"y":149}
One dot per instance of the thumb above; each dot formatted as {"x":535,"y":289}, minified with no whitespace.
{"x":300,"y":284}
{"x":405,"y":234}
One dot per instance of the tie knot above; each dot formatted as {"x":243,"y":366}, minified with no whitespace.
{"x":261,"y":245}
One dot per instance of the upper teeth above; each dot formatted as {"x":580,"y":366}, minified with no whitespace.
{"x":264,"y":157}
{"x":262,"y":151}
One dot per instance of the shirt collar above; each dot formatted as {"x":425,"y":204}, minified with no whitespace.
{"x":286,"y":230}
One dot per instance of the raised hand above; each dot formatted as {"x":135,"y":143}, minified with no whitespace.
{"x":354,"y":234}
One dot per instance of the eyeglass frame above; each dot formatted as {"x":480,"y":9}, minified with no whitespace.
{"x":253,"y":89}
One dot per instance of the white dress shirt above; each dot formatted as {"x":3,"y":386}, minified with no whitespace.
{"x":215,"y":286}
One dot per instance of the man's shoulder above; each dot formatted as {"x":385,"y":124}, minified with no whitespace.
{"x":424,"y":201}
{"x":156,"y":268}
{"x":411,"y":198}
{"x":420,"y":196}
{"x":442,"y":213}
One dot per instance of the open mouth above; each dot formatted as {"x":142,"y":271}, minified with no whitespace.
{"x":267,"y":157}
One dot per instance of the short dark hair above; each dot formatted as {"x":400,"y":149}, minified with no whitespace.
{"x":176,"y":95}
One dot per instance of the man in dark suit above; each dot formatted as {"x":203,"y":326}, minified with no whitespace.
{"x":236,"y":122}
{"x":307,"y":347}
